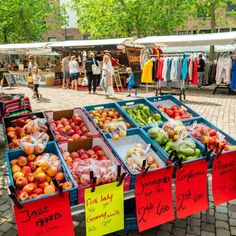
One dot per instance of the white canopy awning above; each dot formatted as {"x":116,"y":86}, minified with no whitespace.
{"x":190,"y":40}
{"x":85,"y":43}
{"x":15,"y":46}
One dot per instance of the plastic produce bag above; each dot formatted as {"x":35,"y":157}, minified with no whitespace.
{"x":48,"y":160}
{"x":104,"y":170}
{"x":175,"y":127}
{"x":36,"y":125}
{"x":34,"y":143}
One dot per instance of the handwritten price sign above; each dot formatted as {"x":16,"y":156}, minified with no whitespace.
{"x":224,"y":178}
{"x":104,"y":209}
{"x":154,"y":198}
{"x":191,"y":188}
{"x":47,"y":217}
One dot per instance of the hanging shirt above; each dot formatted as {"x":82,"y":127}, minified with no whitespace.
{"x":169,"y":63}
{"x":190,"y":69}
{"x":233,"y":79}
{"x":159,"y":69}
{"x":223,"y":73}
{"x":184,"y":71}
{"x":164,"y":70}
{"x":147,"y":72}
{"x":178,"y":68}
{"x":195,"y":67}
{"x":172,"y":75}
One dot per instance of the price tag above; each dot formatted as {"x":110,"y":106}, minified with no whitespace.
{"x":104,"y":209}
{"x":191,"y":188}
{"x":48,"y":216}
{"x":154,"y":198}
{"x":224,"y":178}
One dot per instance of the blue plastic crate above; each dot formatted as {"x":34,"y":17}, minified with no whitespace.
{"x":157,"y":146}
{"x":133,"y":134}
{"x":8,"y":121}
{"x":134,"y":102}
{"x":87,"y":109}
{"x":229,"y":139}
{"x":50,"y":148}
{"x":169,"y":100}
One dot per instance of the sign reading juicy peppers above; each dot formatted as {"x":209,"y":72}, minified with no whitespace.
{"x":224,"y":178}
{"x":47,"y":216}
{"x":154,"y":198}
{"x":191,"y":188}
{"x":104,"y":209}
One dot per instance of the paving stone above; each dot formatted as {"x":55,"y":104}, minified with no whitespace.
{"x":211,"y":219}
{"x":166,"y":227}
{"x":222,"y":224}
{"x":232,"y":222}
{"x":2,"y":220}
{"x":233,"y":230}
{"x":4,"y":207}
{"x":222,"y":232}
{"x":197,"y":215}
{"x":208,"y":227}
{"x":232,"y":207}
{"x":194,"y":230}
{"x":196,"y":221}
{"x":163,"y":233}
{"x":11,"y":232}
{"x":5,"y":227}
{"x":180,"y":223}
{"x":8,"y":213}
{"x":205,"y":233}
{"x":1,"y":233}
{"x":221,"y":209}
{"x":178,"y":231}
{"x":232,"y":202}
{"x":221,"y":216}
{"x":232,"y":214}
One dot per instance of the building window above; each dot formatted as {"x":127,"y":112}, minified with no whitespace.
{"x":71,"y":37}
{"x":52,"y":39}
{"x":86,"y":36}
{"x":182,"y":32}
{"x":231,"y":7}
{"x":204,"y":31}
{"x":224,"y":30}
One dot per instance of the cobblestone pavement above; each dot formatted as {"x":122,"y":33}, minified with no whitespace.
{"x":219,"y":109}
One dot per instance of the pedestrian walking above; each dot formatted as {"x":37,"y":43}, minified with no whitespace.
{"x":74,"y":72}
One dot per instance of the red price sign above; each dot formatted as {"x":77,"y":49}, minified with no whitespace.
{"x":191,"y":188}
{"x":47,"y":217}
{"x":224,"y":178}
{"x":154,"y":198}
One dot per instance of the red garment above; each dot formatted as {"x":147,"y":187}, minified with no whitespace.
{"x":159,"y":69}
{"x":114,"y":62}
{"x":195,"y":66}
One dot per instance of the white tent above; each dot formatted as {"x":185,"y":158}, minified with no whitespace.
{"x":190,"y":40}
{"x":86,"y":43}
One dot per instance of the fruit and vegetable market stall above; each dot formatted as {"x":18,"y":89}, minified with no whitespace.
{"x":96,"y":158}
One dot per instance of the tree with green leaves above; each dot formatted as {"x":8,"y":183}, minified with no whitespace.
{"x":215,"y":11}
{"x":125,"y":18}
{"x":26,"y":21}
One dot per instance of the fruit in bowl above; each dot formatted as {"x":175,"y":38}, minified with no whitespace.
{"x":73,"y":129}
{"x":37,"y":181}
{"x":175,"y":112}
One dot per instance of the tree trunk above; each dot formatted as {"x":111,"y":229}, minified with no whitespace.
{"x":213,"y":29}
{"x":5,"y":39}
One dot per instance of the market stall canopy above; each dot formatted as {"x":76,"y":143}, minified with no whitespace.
{"x":21,"y":48}
{"x":190,"y":40}
{"x":83,"y":43}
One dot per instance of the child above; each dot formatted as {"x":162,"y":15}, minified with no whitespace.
{"x":36,"y":79}
{"x":130,"y":82}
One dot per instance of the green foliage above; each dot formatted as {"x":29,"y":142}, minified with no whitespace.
{"x":124,"y":18}
{"x":26,"y":21}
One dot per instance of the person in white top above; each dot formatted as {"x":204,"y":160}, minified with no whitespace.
{"x":74,"y":72}
{"x":36,"y":79}
{"x":107,"y":73}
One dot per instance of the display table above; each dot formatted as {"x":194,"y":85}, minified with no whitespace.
{"x":47,"y":78}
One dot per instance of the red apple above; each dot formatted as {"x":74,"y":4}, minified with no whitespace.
{"x":83,"y":137}
{"x":29,"y":188}
{"x":22,"y":161}
{"x":23,"y":196}
{"x":89,"y":135}
{"x":74,"y":155}
{"x":21,"y":182}
{"x":59,"y":176}
{"x":38,"y":191}
{"x":52,"y":171}
{"x":96,"y":148}
{"x":67,"y":185}
{"x":81,"y":151}
{"x":94,"y":156}
{"x":100,"y":153}
{"x":31,"y":177}
{"x":84,"y":129}
{"x":18,"y":175}
{"x":40,"y":177}
{"x":49,"y":189}
{"x":70,"y":132}
{"x":90,"y":152}
{"x":32,"y":165}
{"x":84,"y":156}
{"x":26,"y":170}
{"x":43,"y":185}
{"x":33,"y":195}
{"x":15,"y":168}
{"x":31,"y":157}
{"x":103,"y":158}
{"x":76,"y":118}
{"x":75,"y":137}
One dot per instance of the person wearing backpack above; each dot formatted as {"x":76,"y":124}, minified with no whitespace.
{"x":92,"y":72}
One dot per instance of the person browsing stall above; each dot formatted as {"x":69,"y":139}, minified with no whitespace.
{"x":200,"y":70}
{"x":131,"y":82}
{"x":74,"y":72}
{"x":36,"y":80}
{"x":65,"y":69}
